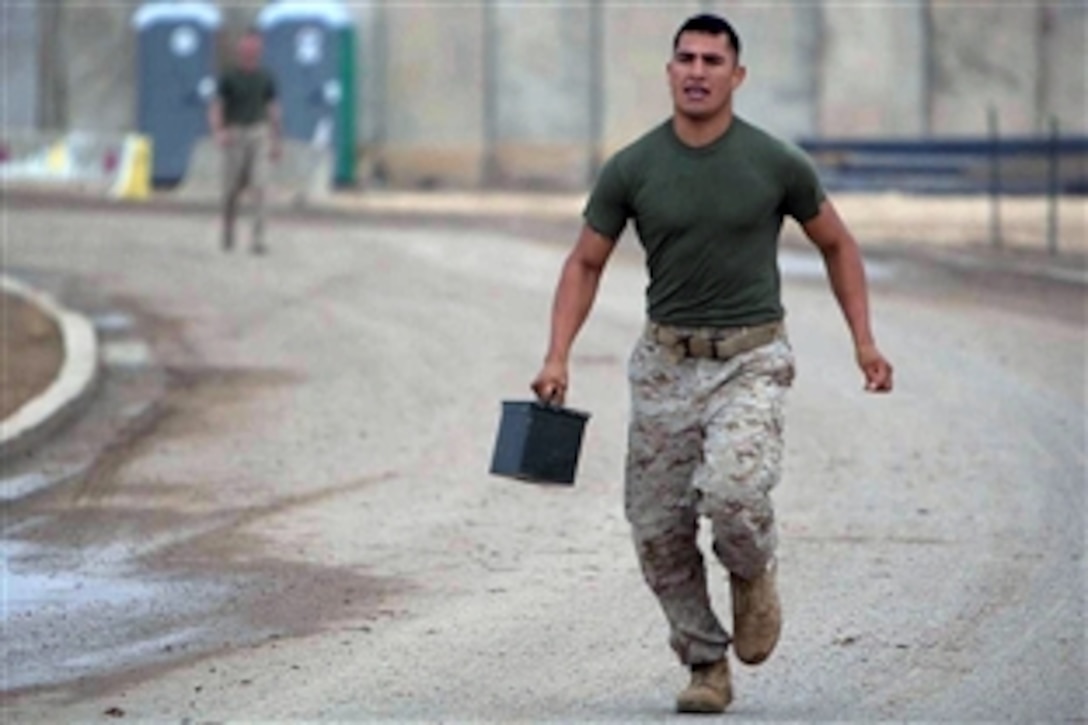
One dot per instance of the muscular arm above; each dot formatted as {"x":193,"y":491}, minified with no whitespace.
{"x":844,"y":267}
{"x":847,"y":274}
{"x":574,"y":297}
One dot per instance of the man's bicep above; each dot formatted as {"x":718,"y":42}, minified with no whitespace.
{"x":593,"y":248}
{"x":826,"y":229}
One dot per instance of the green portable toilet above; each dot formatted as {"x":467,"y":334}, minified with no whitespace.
{"x":310,"y":46}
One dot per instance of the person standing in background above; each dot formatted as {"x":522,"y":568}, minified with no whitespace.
{"x":245,"y":121}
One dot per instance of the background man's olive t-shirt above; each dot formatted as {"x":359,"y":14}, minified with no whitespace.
{"x":246,"y":95}
{"x":709,"y":219}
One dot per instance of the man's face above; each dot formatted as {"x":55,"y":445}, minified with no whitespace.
{"x":703,"y":74}
{"x":249,"y":51}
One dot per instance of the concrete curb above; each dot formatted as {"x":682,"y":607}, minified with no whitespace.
{"x":73,"y":386}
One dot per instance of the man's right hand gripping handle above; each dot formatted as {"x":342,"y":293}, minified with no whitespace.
{"x":550,"y":384}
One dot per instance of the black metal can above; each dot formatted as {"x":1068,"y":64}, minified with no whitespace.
{"x":538,"y":442}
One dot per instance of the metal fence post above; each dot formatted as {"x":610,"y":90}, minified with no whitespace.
{"x":995,"y":177}
{"x":490,"y":111}
{"x":1053,"y":188}
{"x":597,"y":88}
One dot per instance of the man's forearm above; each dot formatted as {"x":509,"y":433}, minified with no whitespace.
{"x":274,"y":120}
{"x":215,"y":117}
{"x":573,"y":299}
{"x":847,"y":274}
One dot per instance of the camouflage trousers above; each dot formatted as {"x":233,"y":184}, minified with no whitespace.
{"x":245,"y":166}
{"x":705,"y":440}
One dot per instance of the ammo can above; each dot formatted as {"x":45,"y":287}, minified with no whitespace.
{"x":538,"y":442}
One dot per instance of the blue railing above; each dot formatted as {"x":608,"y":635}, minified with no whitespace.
{"x":1010,"y":165}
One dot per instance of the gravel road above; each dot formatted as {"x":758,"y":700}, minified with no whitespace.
{"x":305,"y":529}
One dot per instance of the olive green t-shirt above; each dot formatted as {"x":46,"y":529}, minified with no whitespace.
{"x":709,"y":219}
{"x":245,"y":96}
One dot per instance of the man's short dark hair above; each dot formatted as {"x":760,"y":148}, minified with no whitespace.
{"x":711,"y":25}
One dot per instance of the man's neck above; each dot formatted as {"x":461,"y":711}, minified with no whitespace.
{"x":701,"y":132}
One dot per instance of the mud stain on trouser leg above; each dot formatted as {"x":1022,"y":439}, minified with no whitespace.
{"x":674,"y":570}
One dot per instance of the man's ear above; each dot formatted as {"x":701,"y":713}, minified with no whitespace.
{"x":739,"y":75}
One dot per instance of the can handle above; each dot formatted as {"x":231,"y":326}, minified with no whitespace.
{"x":552,"y":401}
{"x":555,"y":400}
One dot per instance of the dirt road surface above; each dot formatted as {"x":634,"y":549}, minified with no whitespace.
{"x":305,"y":528}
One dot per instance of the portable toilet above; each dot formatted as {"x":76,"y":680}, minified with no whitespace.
{"x":175,"y":62}
{"x":309,"y":47}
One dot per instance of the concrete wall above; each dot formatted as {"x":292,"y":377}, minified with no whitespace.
{"x":98,"y":64}
{"x":1063,"y":65}
{"x":636,"y":45}
{"x":433,"y":129}
{"x":984,"y":54}
{"x":872,"y":74}
{"x":18,"y":66}
{"x":543,"y":90}
{"x":538,"y":92}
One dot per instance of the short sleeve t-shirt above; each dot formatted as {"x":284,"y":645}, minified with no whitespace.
{"x":245,"y":96}
{"x":709,"y":220}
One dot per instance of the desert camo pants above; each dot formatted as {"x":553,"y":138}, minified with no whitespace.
{"x":705,"y":440}
{"x":245,"y":166}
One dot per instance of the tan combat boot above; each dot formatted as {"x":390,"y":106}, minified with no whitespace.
{"x":710,"y":690}
{"x":757,"y":616}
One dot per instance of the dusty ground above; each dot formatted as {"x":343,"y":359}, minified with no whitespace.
{"x":303,"y":528}
{"x":32,"y":352}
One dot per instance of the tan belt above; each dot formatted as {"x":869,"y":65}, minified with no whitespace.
{"x":714,"y":343}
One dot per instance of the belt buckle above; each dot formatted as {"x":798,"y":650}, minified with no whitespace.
{"x":724,"y":348}
{"x":701,"y":346}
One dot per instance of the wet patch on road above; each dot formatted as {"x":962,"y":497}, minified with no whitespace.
{"x":97,"y":597}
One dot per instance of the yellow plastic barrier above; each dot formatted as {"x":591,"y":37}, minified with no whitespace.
{"x":134,"y":173}
{"x":57,"y":159}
